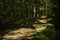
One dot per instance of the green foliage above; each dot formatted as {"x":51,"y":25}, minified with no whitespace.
{"x":48,"y":34}
{"x":13,"y":10}
{"x":20,"y":13}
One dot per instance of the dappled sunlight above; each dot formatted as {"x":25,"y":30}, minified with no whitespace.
{"x":22,"y":33}
{"x":47,"y":33}
{"x":43,"y":16}
{"x":40,"y":29}
{"x":27,"y":33}
{"x":28,"y":19}
{"x":19,"y":34}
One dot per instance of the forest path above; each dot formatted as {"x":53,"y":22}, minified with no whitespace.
{"x":22,"y":33}
{"x":26,"y":33}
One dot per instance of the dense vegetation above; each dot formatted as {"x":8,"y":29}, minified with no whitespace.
{"x":15,"y":14}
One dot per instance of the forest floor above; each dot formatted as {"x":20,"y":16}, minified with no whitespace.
{"x":24,"y":33}
{"x":27,"y":33}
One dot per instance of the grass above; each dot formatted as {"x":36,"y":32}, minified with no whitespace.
{"x":48,"y":33}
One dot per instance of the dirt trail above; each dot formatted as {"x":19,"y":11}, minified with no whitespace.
{"x":22,"y":33}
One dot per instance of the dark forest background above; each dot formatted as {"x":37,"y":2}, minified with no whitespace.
{"x":15,"y":14}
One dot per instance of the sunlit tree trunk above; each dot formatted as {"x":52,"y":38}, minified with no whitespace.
{"x":34,"y":11}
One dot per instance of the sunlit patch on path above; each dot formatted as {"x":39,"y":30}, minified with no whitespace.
{"x":22,"y":33}
{"x":26,"y":33}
